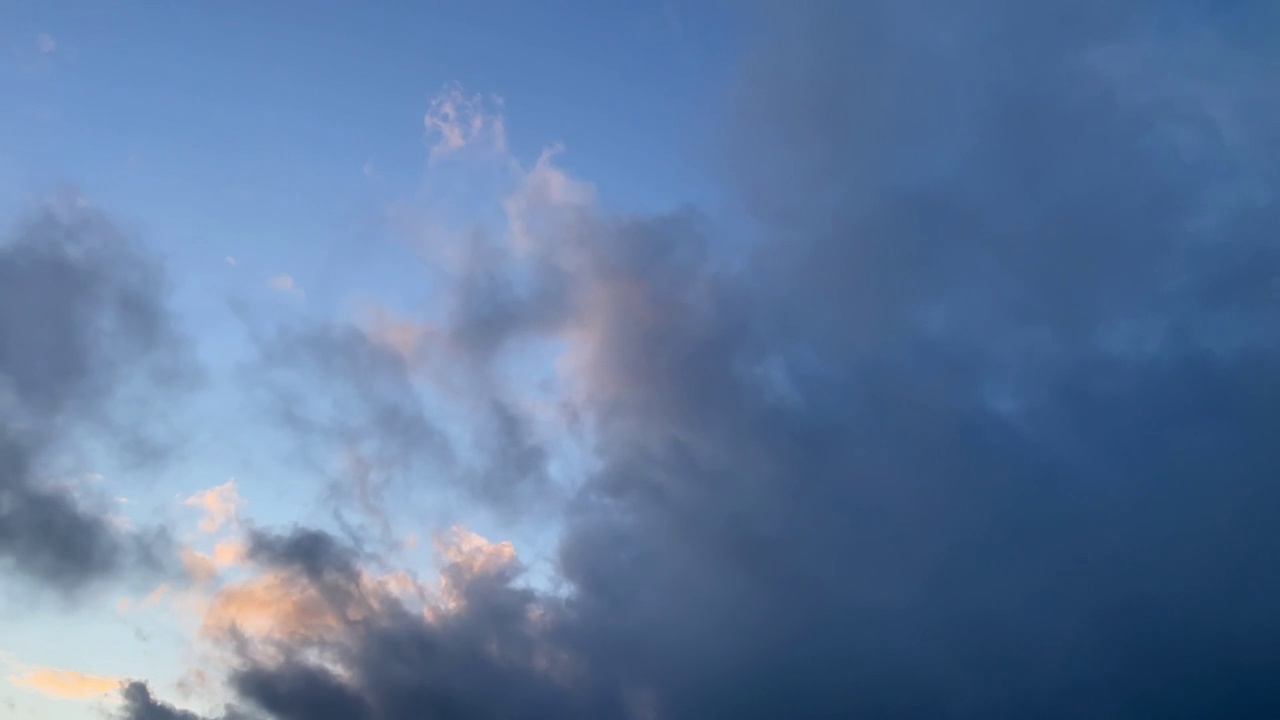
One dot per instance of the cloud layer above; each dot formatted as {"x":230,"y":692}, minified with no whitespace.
{"x":982,"y":426}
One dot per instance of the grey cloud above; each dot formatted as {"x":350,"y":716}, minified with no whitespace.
{"x":346,"y":399}
{"x":1023,"y":463}
{"x":87,"y":349}
{"x":490,"y":301}
{"x":140,"y":704}
{"x":484,"y":661}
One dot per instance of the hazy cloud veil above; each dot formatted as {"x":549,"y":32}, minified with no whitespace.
{"x":984,"y":427}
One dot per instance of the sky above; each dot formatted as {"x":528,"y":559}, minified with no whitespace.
{"x":642,"y":360}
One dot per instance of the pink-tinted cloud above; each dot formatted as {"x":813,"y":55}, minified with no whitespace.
{"x":65,"y":684}
{"x":221,"y":505}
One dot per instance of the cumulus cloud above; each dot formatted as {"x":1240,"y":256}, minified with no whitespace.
{"x":980,"y":427}
{"x":87,"y":353}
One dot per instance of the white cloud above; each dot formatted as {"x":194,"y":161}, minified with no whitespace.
{"x":231,"y":261}
{"x":46,"y":43}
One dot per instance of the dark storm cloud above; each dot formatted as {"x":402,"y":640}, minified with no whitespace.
{"x":986,"y":429}
{"x":86,"y":348}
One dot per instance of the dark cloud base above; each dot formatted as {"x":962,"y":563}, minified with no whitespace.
{"x":985,"y":430}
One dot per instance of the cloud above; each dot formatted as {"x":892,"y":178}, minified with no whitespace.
{"x":200,"y":568}
{"x":351,"y":406}
{"x":467,"y":557}
{"x":457,"y":121}
{"x":314,"y":597}
{"x":979,"y":425}
{"x":204,"y":569}
{"x":139,"y":704}
{"x":221,"y":505}
{"x":274,"y":606}
{"x":231,"y":261}
{"x":285,"y":284}
{"x":66,"y":684}
{"x":545,"y":199}
{"x":88,"y":356}
{"x":227,"y":554}
{"x":45,"y":43}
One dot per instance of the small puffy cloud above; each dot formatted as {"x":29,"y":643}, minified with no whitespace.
{"x":368,"y":169}
{"x":458,"y":121}
{"x":473,"y":553}
{"x":285,"y":284}
{"x":65,"y":684}
{"x":45,"y":43}
{"x":221,"y":505}
{"x":469,"y":558}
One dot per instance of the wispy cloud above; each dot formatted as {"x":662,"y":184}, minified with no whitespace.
{"x":65,"y":684}
{"x":456,"y":121}
{"x":45,"y":43}
{"x":285,"y":284}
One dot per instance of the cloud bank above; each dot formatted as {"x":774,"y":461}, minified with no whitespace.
{"x":982,"y":426}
